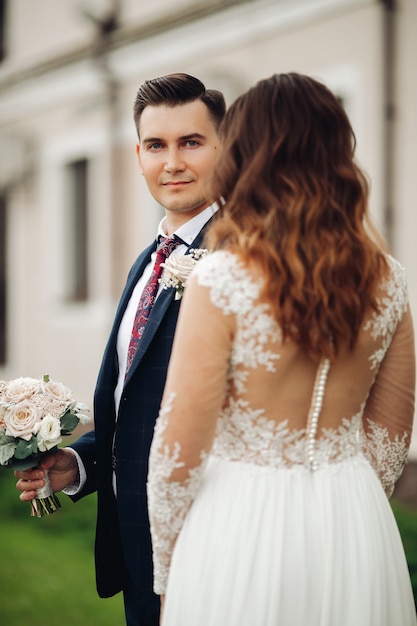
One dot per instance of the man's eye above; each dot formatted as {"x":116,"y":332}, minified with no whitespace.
{"x":191,"y":143}
{"x":154,"y":146}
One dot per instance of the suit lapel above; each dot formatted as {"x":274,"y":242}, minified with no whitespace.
{"x":159,"y":309}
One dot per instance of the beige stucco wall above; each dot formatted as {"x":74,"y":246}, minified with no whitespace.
{"x":60,"y":112}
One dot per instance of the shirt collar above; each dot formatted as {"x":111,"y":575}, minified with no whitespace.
{"x":189,"y":231}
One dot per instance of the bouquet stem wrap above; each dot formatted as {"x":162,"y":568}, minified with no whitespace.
{"x":46,"y":502}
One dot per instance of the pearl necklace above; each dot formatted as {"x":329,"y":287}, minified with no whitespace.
{"x":315,"y":410}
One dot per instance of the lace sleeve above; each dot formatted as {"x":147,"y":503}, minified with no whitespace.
{"x":387,"y":456}
{"x":389,"y":411}
{"x":194,"y":394}
{"x":168,"y":500}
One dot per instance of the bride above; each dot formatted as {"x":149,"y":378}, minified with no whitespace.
{"x":288,"y":406}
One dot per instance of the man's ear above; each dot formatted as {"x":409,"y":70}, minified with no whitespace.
{"x":138,"y":157}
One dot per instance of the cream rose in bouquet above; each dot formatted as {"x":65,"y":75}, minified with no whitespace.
{"x":34,"y":416}
{"x":177,"y":270}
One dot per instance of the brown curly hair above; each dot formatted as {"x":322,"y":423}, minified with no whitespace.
{"x":294,"y":202}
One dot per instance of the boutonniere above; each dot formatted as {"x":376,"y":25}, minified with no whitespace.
{"x":177,"y":269}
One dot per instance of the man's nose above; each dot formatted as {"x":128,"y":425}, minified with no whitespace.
{"x":174,"y":161}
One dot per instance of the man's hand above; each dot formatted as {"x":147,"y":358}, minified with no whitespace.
{"x":62,"y":472}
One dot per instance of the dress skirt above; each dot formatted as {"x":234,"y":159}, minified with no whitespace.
{"x":263,"y":546}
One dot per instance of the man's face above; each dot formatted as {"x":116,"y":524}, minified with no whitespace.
{"x":177,"y":149}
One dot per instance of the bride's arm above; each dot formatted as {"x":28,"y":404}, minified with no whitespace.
{"x":389,"y":411}
{"x":194,"y":393}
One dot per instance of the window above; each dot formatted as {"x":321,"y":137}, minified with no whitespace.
{"x":77,"y":242}
{"x":3,"y":9}
{"x":3,"y":279}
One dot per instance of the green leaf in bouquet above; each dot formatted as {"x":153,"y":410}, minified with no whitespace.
{"x":26,"y":448}
{"x":24,"y":464}
{"x":6,"y":450}
{"x":5,"y":439}
{"x":68,"y":422}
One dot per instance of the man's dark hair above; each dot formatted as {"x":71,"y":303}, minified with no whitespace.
{"x":176,"y":89}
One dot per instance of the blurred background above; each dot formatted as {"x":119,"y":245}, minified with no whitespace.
{"x":75,"y":212}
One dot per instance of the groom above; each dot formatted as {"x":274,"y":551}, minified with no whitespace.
{"x":177,"y":121}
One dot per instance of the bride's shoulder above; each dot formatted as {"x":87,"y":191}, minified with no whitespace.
{"x":393,"y":288}
{"x":397,"y":275}
{"x":392,"y":299}
{"x":220,"y":263}
{"x":228,"y":279}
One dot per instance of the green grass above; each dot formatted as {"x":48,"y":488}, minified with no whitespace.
{"x":406,"y":517}
{"x":47,"y":565}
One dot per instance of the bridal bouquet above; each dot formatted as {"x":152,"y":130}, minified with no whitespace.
{"x":34,"y":416}
{"x":177,"y":269}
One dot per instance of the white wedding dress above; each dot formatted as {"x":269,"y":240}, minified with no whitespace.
{"x":269,"y":476}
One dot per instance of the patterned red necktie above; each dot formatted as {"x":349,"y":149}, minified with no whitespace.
{"x":148,"y":296}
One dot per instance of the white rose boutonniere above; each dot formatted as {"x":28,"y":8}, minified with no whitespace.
{"x":177,"y":270}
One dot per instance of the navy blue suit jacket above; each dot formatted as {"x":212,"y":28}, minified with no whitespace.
{"x":123,"y":543}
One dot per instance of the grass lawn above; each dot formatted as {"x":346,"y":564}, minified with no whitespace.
{"x":406,"y":517}
{"x":47,"y":565}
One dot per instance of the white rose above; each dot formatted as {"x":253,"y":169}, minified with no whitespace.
{"x":80,"y":410}
{"x":3,"y":409}
{"x":179,"y":267}
{"x":21,"y":389}
{"x":49,"y":433}
{"x":57,"y":391}
{"x":20,"y":420}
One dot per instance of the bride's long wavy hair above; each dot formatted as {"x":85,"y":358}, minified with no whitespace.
{"x":295,"y":204}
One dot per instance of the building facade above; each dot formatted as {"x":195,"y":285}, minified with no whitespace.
{"x":74,"y":211}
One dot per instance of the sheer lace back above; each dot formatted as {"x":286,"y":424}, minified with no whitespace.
{"x":271,"y":384}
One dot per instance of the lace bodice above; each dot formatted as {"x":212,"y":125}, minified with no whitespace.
{"x":236,"y":391}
